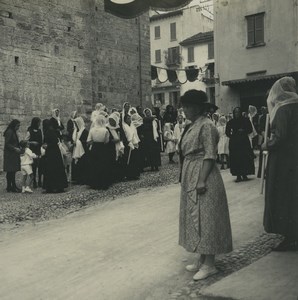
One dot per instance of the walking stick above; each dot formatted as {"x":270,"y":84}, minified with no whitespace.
{"x":265,"y":155}
{"x":161,"y":137}
{"x":129,"y":154}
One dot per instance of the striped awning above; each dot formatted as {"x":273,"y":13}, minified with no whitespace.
{"x":252,"y":79}
{"x":133,"y":8}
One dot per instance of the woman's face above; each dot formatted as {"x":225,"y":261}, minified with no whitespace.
{"x":17,"y":126}
{"x":180,"y":119}
{"x":126,"y":107}
{"x":147,"y":113}
{"x":112,"y":122}
{"x":237,"y":113}
{"x":192,"y":112}
{"x":128,"y":120}
{"x":57,"y":112}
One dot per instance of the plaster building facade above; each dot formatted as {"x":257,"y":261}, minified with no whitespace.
{"x":69,"y":54}
{"x":167,"y":31}
{"x":198,"y":52}
{"x":256,"y":42}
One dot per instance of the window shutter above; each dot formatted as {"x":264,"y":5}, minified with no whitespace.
{"x":259,"y":29}
{"x":210,"y":50}
{"x":173,"y":31}
{"x":157,"y":32}
{"x":170,"y":56}
{"x":157,"y":56}
{"x":250,"y":30}
{"x":190,"y":54}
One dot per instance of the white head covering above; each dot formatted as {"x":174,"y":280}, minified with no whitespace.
{"x":283,"y":92}
{"x":78,"y":150}
{"x":116,"y":118}
{"x":222,"y":121}
{"x":136,"y":119}
{"x":100,"y":106}
{"x":252,"y":110}
{"x":100,"y":121}
{"x":56,"y":117}
{"x":73,"y":114}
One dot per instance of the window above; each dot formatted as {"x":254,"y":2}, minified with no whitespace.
{"x":173,"y":56}
{"x":157,"y":56}
{"x":255,"y":30}
{"x":173,"y":31}
{"x":159,"y":98}
{"x":190,"y":54}
{"x":211,"y":50}
{"x":157,"y":32}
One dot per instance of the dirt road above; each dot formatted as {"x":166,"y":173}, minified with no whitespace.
{"x":125,"y":249}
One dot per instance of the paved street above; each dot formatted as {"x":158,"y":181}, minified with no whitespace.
{"x":124,"y":249}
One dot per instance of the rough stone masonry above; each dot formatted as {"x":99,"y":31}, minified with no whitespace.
{"x":68,"y":54}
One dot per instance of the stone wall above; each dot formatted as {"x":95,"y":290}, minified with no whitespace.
{"x":68,"y":54}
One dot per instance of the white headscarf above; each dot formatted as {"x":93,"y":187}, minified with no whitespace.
{"x":136,"y":119}
{"x":78,"y":150}
{"x":99,"y":110}
{"x":154,"y":124}
{"x":100,"y":121}
{"x":283,"y":92}
{"x":252,"y":111}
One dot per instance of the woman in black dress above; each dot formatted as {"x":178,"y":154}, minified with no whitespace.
{"x":56,"y":122}
{"x":34,"y":136}
{"x":150,"y":141}
{"x":55,"y":179}
{"x":12,"y":151}
{"x":241,"y":153}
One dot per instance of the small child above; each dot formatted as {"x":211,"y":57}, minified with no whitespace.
{"x":223,"y":144}
{"x":67,"y":155}
{"x":26,"y":166}
{"x":170,"y":142}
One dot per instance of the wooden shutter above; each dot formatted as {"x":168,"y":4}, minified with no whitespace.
{"x":190,"y":54}
{"x":170,"y":55}
{"x":250,"y":30}
{"x":210,"y":50}
{"x":157,"y":56}
{"x":259,"y":29}
{"x":173,"y":31}
{"x":157,"y":32}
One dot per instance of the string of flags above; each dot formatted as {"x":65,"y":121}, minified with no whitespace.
{"x":177,"y":75}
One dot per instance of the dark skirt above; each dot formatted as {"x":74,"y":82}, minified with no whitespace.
{"x":151,"y":152}
{"x":241,"y":156}
{"x":53,"y":170}
{"x":79,"y":170}
{"x":281,"y":196}
{"x":131,"y":164}
{"x":99,"y":166}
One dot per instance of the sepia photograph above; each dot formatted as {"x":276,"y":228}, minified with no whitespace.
{"x":149,"y":149}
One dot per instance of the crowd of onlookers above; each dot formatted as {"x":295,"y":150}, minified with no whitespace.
{"x":114,"y":145}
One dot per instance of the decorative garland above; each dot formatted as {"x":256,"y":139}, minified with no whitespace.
{"x":164,"y":74}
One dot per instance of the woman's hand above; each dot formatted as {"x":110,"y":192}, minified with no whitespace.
{"x":201,"y":188}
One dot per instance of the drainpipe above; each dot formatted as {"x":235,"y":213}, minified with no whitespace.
{"x":140,"y":62}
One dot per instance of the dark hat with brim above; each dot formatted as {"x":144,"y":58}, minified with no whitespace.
{"x":194,"y":97}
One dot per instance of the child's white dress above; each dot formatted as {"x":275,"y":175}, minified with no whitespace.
{"x":170,"y":146}
{"x":223,"y":144}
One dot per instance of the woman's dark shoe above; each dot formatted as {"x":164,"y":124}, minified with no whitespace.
{"x":15,"y":190}
{"x":8,"y":189}
{"x":244,"y":178}
{"x":39,"y":184}
{"x":238,"y":179}
{"x":34,"y":184}
{"x":222,"y":167}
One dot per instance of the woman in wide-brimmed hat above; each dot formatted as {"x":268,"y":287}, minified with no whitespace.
{"x":204,"y":216}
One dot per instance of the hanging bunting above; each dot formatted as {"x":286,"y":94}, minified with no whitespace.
{"x":172,"y":75}
{"x":153,"y":72}
{"x":182,"y":76}
{"x":137,"y":7}
{"x":162,"y":75}
{"x":192,"y":74}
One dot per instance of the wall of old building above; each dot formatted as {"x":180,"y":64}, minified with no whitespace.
{"x":234,"y":60}
{"x":68,"y":54}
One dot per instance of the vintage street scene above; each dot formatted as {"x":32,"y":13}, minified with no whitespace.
{"x":149,"y":149}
